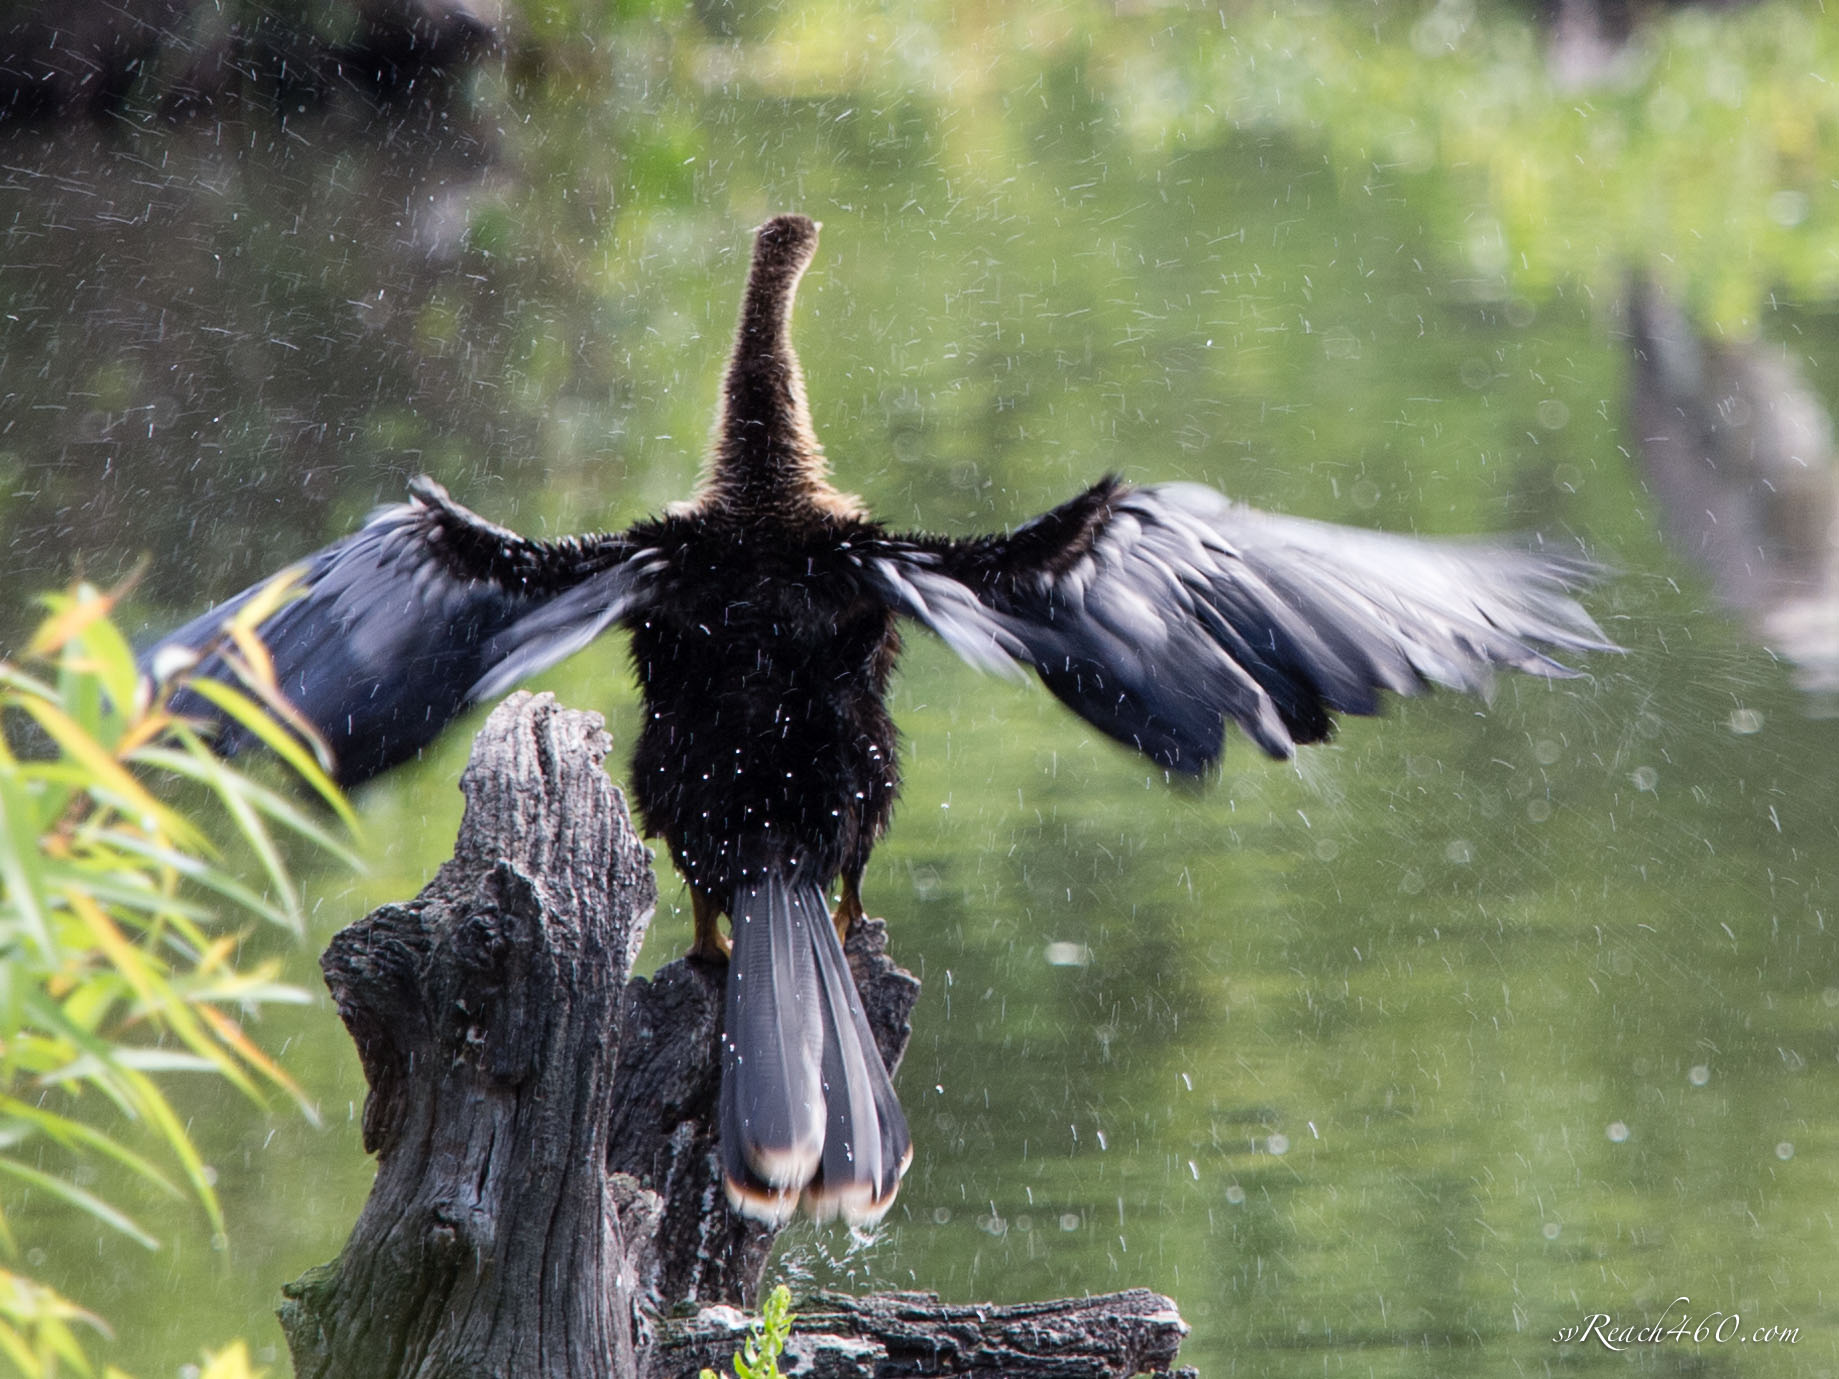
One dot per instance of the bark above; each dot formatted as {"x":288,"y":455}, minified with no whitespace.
{"x":895,"y":1335}
{"x":486,"y":1013}
{"x":548,"y":1201}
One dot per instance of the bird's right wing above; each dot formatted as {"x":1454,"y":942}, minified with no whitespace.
{"x":399,"y":626}
{"x":1158,"y":613}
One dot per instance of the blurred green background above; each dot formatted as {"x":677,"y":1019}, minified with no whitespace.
{"x":1482,"y":1020}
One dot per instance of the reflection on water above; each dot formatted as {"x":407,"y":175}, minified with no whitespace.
{"x":211,"y":335}
{"x":1739,"y":453}
{"x":1487,"y":1018}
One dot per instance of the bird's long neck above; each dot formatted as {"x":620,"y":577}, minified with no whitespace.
{"x":765,"y":461}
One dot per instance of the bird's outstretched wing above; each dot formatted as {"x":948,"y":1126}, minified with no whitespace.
{"x":1157,"y":613}
{"x":425,"y":609}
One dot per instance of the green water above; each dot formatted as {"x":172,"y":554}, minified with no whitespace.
{"x":1482,"y":1020}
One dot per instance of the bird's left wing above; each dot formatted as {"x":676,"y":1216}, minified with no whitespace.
{"x":425,"y":609}
{"x":1158,"y":613}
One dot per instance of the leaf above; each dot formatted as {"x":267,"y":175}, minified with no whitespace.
{"x":17,"y":1349}
{"x":230,"y":789}
{"x":281,"y":589}
{"x":75,"y":1196}
{"x":124,"y":889}
{"x":231,"y":1034}
{"x":13,"y":678}
{"x":89,"y":1067}
{"x":157,"y":996}
{"x":55,"y":1051}
{"x":203,"y":873}
{"x":272,"y":805}
{"x":284,"y":742}
{"x":230,"y":1363}
{"x":76,"y":1134}
{"x":22,"y":869}
{"x":72,"y":615}
{"x":108,"y":651}
{"x":111,"y":778}
{"x":159,"y":1111}
{"x":153,"y":724}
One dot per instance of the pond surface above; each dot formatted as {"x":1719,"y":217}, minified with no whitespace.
{"x":1484,"y":1019}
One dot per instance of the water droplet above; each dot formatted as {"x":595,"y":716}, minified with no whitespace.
{"x":1788,"y":208}
{"x":1617,"y":1132}
{"x":1553,"y":415}
{"x":1743,"y":722}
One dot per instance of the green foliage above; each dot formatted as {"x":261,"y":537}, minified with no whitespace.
{"x":116,"y":966}
{"x":758,"y":1358}
{"x":1700,"y":154}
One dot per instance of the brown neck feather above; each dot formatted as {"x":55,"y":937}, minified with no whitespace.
{"x":765,"y":460}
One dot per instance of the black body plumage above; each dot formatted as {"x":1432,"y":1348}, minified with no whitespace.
{"x":762,"y":616}
{"x":765,"y":654}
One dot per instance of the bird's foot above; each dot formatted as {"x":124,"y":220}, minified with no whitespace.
{"x":710,"y":944}
{"x":847,"y":912}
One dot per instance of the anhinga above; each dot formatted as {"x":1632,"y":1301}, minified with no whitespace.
{"x":763,"y":616}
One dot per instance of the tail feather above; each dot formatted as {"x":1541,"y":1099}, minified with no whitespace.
{"x":867,"y":1147}
{"x":772,"y":1102}
{"x":807,"y":1109}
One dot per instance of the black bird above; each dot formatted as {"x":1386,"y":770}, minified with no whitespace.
{"x":763,"y":616}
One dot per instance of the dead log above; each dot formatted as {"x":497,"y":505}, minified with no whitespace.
{"x":548,"y":1201}
{"x":905,"y":1335}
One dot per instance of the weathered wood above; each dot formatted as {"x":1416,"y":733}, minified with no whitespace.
{"x":486,"y":1013}
{"x":895,"y":1335}
{"x":548,"y":1192}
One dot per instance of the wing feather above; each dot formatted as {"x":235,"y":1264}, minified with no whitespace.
{"x":426,"y":608}
{"x":1159,"y":613}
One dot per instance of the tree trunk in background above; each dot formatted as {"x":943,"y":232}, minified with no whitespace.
{"x":548,"y":1195}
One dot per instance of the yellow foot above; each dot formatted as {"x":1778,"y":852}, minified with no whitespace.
{"x":848,"y":910}
{"x":711,"y":944}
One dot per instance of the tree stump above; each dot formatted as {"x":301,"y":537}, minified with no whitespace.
{"x":548,"y":1202}
{"x":487,"y":1016}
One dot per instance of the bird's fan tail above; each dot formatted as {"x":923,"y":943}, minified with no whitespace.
{"x":807,"y":1109}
